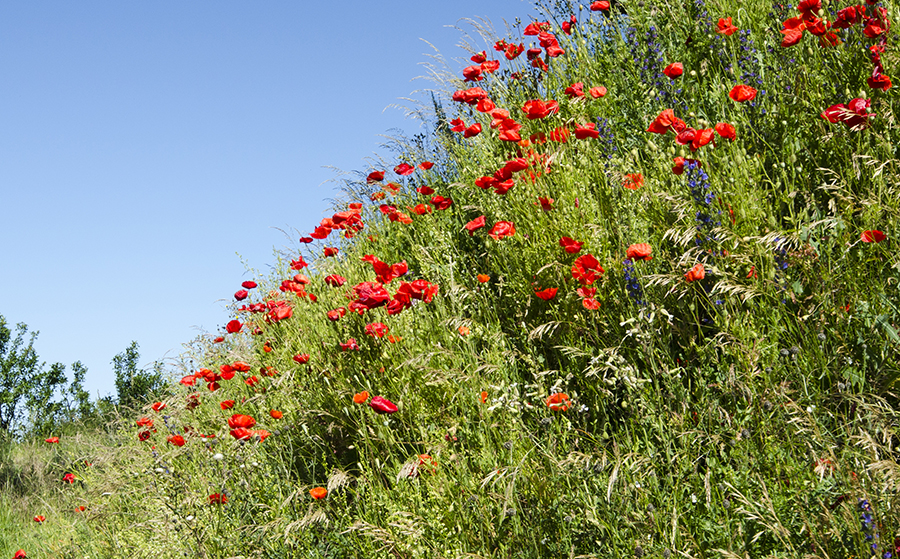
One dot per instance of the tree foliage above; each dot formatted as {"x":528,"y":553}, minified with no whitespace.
{"x":134,"y":385}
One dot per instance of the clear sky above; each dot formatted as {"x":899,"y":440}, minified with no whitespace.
{"x":149,"y":150}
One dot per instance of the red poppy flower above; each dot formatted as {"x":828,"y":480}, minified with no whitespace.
{"x":441,"y":203}
{"x":226,"y":404}
{"x":600,"y":6}
{"x":597,"y":92}
{"x":375,"y":176}
{"x":39,"y":518}
{"x":302,"y":358}
{"x":248,"y":284}
{"x":585,"y":131}
{"x":666,"y":121}
{"x":545,"y":202}
{"x":536,"y":108}
{"x":680,"y":162}
{"x":535,"y":27}
{"x":404,"y":169}
{"x":457,"y":125}
{"x":382,"y":405}
{"x":318,"y":493}
{"x":361,"y":397}
{"x":70,"y":478}
{"x":726,"y":131}
{"x":502,"y":229}
{"x":350,"y":344}
{"x":726,"y":27}
{"x":275,"y":414}
{"x":854,"y":114}
{"x":330,"y":251}
{"x":586,"y":292}
{"x":575,"y":90}
{"x":143,"y":435}
{"x":233,"y":327}
{"x":218,"y":339}
{"x":176,"y":440}
{"x":701,"y":138}
{"x":586,"y":270}
{"x":475,"y":224}
{"x":472,"y":74}
{"x":472,"y":131}
{"x":546,"y":294}
{"x":698,"y":272}
{"x":52,"y":440}
{"x":509,"y":130}
{"x":570,"y":245}
{"x":879,"y":81}
{"x":674,"y":70}
{"x":558,"y":402}
{"x":376,"y":329}
{"x":741,"y":93}
{"x":640,"y":251}
{"x":489,"y":67}
{"x":872,"y":236}
{"x":567,"y":25}
{"x":144,"y":422}
{"x":336,"y":314}
{"x":633,"y":181}
{"x":478,"y":58}
{"x":241,"y":421}
{"x":217,"y":499}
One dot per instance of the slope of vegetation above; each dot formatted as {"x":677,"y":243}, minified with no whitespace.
{"x":634,"y":293}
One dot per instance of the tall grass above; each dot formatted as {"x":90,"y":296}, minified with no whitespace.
{"x":748,"y":413}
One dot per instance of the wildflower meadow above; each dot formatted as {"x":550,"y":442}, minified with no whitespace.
{"x":633,"y":292}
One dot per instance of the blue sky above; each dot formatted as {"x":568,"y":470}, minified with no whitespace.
{"x":145,"y":145}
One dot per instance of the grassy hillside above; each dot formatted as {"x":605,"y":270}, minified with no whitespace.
{"x":634,"y":293}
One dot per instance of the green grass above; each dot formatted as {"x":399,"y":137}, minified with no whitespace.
{"x":749,"y":413}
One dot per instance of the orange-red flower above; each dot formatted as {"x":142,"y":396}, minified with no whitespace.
{"x":241,"y":421}
{"x":640,"y":251}
{"x":69,"y":478}
{"x":474,"y":225}
{"x":39,"y":518}
{"x":546,"y":294}
{"x":698,"y":272}
{"x":726,"y":131}
{"x":570,"y":245}
{"x":318,"y":493}
{"x":725,"y":27}
{"x":600,"y":6}
{"x":382,"y":405}
{"x":483,"y":278}
{"x":176,"y":440}
{"x":217,"y":499}
{"x":144,"y":422}
{"x":585,"y":131}
{"x":361,"y":397}
{"x":52,"y":440}
{"x":276,"y":414}
{"x":872,"y":236}
{"x":233,"y":327}
{"x":376,"y":329}
{"x":742,"y":93}
{"x":633,"y":181}
{"x":674,"y":70}
{"x":226,"y":404}
{"x":597,"y":92}
{"x":586,"y":270}
{"x":537,"y":108}
{"x":558,"y":402}
{"x":484,"y":397}
{"x":158,"y":406}
{"x":502,"y":229}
